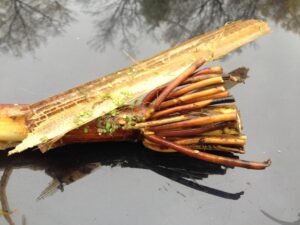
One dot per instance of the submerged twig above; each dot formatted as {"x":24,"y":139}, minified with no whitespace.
{"x":3,"y":198}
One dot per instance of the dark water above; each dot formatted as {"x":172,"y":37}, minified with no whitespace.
{"x":49,"y":46}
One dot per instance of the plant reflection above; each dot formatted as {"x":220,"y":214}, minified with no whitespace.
{"x":175,"y":21}
{"x":297,"y":222}
{"x":67,"y":165}
{"x":25,"y":24}
{"x":3,"y":197}
{"x":72,"y":163}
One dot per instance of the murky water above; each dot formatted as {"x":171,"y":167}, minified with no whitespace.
{"x":49,"y":46}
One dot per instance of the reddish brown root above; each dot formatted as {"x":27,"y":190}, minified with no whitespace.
{"x":195,"y":86}
{"x":185,"y":98}
{"x":222,"y":94}
{"x":210,"y":70}
{"x":195,"y":131}
{"x":197,"y":121}
{"x":152,"y":95}
{"x":172,"y":85}
{"x":153,"y":146}
{"x":195,"y":77}
{"x":188,"y":107}
{"x":237,"y":141}
{"x":209,"y":157}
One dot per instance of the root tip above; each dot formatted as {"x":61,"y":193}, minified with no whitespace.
{"x":268,"y":162}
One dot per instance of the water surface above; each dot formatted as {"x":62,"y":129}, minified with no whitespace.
{"x":49,"y":46}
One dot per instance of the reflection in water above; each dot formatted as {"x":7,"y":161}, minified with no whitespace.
{"x":71,"y":163}
{"x":175,"y":21}
{"x":3,"y":198}
{"x":170,"y":21}
{"x":297,"y":222}
{"x":67,"y":165}
{"x":286,"y":13}
{"x":25,"y":24}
